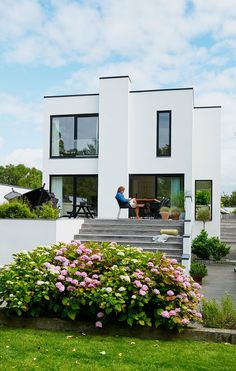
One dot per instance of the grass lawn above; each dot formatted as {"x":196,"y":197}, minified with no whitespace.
{"x":25,"y":349}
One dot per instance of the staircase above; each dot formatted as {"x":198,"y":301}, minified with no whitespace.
{"x":228,"y":230}
{"x":134,"y":233}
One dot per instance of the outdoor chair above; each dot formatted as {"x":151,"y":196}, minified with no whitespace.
{"x":122,"y":205}
{"x":155,"y":207}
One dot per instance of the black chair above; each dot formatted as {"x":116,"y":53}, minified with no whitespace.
{"x":155,"y":207}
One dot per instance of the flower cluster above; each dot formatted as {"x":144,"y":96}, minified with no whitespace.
{"x":102,"y":282}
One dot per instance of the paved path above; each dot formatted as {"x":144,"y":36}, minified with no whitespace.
{"x":221,"y":279}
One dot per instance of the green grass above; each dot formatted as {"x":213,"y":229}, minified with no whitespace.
{"x":25,"y":349}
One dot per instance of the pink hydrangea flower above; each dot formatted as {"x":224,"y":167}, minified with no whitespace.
{"x":185,"y":321}
{"x":155,"y":270}
{"x":145,"y":288}
{"x":60,"y":286}
{"x":68,"y":279}
{"x":170,"y":293}
{"x":150,"y":264}
{"x":165,"y":314}
{"x":94,"y":276}
{"x":82,"y":284}
{"x":172,"y":313}
{"x":72,"y":265}
{"x":60,"y":277}
{"x":71,"y":288}
{"x":64,"y":272}
{"x":100,"y":314}
{"x":156,"y":292}
{"x":199,"y":315}
{"x":138,"y":283}
{"x":142,"y":292}
{"x":98,"y":324}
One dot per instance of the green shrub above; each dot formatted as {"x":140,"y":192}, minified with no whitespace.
{"x":20,"y":210}
{"x":219,"y":315}
{"x":47,"y":211}
{"x":234,"y":211}
{"x":200,"y":246}
{"x":198,"y":269}
{"x":218,"y":249}
{"x":205,"y":247}
{"x":100,"y":282}
{"x":17,"y":210}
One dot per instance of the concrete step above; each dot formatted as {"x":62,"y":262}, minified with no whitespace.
{"x":124,"y":237}
{"x":114,"y":229}
{"x":170,"y":249}
{"x":134,"y":233}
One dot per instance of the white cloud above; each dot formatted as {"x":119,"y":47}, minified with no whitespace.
{"x":28,"y":156}
{"x":19,"y":110}
{"x":2,"y":141}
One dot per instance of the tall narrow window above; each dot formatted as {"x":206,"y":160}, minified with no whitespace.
{"x":203,"y":197}
{"x":164,"y":133}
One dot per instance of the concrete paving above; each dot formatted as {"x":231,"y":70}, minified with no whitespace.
{"x":221,"y":279}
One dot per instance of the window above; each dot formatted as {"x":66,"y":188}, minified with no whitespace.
{"x":203,"y":196}
{"x":164,"y":133}
{"x":153,"y":186}
{"x":74,"y":136}
{"x":72,"y":189}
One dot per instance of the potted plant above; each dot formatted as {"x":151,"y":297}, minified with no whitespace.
{"x":198,"y":270}
{"x":177,"y":200}
{"x":165,"y":212}
{"x":175,"y":212}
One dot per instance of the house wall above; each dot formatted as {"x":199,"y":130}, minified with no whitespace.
{"x":113,"y":160}
{"x":206,"y":161}
{"x":127,"y":141}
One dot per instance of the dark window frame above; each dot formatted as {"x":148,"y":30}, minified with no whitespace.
{"x":195,"y":210}
{"x":74,"y":183}
{"x":158,"y":154}
{"x":76,"y":116}
{"x":159,"y":175}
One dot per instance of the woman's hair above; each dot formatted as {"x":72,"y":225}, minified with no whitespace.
{"x":121,"y":189}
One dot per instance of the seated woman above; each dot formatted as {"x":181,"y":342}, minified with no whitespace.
{"x":125,"y":203}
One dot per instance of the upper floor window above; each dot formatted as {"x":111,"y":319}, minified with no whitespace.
{"x":163,"y":133}
{"x":74,"y":136}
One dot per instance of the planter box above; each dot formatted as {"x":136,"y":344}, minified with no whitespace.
{"x":26,"y":234}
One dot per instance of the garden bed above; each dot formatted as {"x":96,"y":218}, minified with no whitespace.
{"x":84,"y":327}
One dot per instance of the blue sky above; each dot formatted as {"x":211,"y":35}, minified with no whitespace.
{"x":63,"y":46}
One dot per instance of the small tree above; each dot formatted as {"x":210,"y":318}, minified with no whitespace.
{"x":204,"y":215}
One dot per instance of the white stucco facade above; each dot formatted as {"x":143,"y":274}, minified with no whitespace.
{"x":128,"y":142}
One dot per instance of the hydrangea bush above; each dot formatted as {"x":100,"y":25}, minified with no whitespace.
{"x":100,"y":282}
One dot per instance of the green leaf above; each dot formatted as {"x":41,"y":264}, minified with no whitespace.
{"x":71,"y":315}
{"x":123,"y":317}
{"x":46,"y":297}
{"x":130,"y":321}
{"x":64,"y":301}
{"x":141,"y":322}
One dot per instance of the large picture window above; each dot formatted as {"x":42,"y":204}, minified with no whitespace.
{"x":164,"y":133}
{"x":156,"y":186}
{"x":74,"y":136}
{"x":73,"y":189}
{"x":203,"y":197}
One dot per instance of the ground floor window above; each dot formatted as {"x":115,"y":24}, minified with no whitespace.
{"x":154,"y":186}
{"x":73,"y":189}
{"x":203,"y":196}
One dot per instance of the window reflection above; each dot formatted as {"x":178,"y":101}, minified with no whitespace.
{"x":203,"y":196}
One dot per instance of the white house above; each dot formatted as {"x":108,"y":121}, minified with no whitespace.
{"x":153,"y":142}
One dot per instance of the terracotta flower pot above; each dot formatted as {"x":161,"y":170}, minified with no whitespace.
{"x":164,"y":215}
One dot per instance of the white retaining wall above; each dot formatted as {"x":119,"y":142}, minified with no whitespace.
{"x":21,"y":234}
